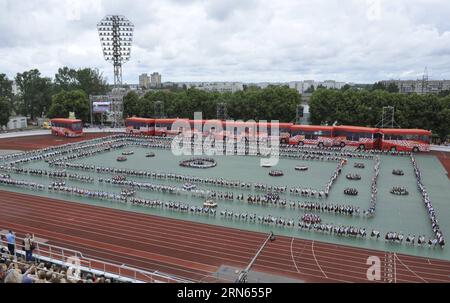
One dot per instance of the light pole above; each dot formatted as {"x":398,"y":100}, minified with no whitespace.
{"x":116,"y":37}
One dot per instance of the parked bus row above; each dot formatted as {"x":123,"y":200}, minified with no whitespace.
{"x":323,"y":136}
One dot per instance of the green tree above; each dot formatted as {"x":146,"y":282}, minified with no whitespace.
{"x":87,"y":79}
{"x":310,"y":89}
{"x":65,"y":102}
{"x":130,"y":105}
{"x":444,"y":93}
{"x":271,"y":103}
{"x":91,"y":81}
{"x":35,"y":93}
{"x":378,"y":86}
{"x":345,"y":87}
{"x":392,"y":88}
{"x":5,"y":87}
{"x":5,"y":110}
{"x":443,"y":125}
{"x":66,"y":79}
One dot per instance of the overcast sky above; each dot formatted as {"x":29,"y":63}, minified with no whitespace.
{"x":235,"y":40}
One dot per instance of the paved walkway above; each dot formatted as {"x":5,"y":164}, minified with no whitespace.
{"x":40,"y":132}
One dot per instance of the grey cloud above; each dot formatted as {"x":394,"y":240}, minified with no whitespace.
{"x":196,"y":40}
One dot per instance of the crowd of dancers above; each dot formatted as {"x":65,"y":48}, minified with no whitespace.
{"x":81,"y":192}
{"x":158,"y":175}
{"x":311,"y":218}
{"x":47,"y":173}
{"x":59,"y":157}
{"x":374,"y":189}
{"x":268,"y":198}
{"x":350,"y":191}
{"x":439,"y":236}
{"x":331,"y":208}
{"x":269,"y":188}
{"x":201,"y":162}
{"x":399,"y":191}
{"x":21,"y":183}
{"x":174,"y":206}
{"x":353,"y":177}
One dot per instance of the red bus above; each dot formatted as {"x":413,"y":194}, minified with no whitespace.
{"x":312,"y":135}
{"x":143,"y":126}
{"x":362,"y":137}
{"x":163,"y":127}
{"x":67,"y":127}
{"x":241,"y":130}
{"x":414,"y":140}
{"x":284,"y":130}
{"x":213,"y":127}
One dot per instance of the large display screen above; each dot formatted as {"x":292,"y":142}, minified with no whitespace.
{"x":101,"y":107}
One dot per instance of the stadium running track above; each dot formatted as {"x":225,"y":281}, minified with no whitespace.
{"x":195,"y":251}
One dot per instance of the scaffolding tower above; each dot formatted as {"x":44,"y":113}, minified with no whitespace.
{"x":221,"y":111}
{"x":159,"y":110}
{"x":388,"y":118}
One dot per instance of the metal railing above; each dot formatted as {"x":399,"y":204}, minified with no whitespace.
{"x":75,"y":260}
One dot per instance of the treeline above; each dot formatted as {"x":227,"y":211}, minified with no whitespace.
{"x":271,"y":103}
{"x":364,"y":108}
{"x":37,"y":95}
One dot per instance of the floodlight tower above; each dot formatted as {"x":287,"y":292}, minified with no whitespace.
{"x":116,"y":37}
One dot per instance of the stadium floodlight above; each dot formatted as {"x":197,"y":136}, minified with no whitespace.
{"x":116,"y":37}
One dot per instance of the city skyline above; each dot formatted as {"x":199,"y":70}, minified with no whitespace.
{"x":234,"y":41}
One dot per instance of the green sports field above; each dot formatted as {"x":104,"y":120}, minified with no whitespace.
{"x":405,"y":214}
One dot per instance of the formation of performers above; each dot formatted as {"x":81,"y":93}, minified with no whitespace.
{"x":353,"y":177}
{"x":359,"y":165}
{"x":21,"y":183}
{"x":351,"y":191}
{"x":46,"y":173}
{"x":334,"y":153}
{"x":308,"y":192}
{"x":87,"y":193}
{"x":331,"y":208}
{"x":174,"y":206}
{"x":373,"y":189}
{"x":398,"y":172}
{"x":271,"y":188}
{"x":157,"y":175}
{"x":269,"y":198}
{"x":276,"y":173}
{"x":439,"y":236}
{"x":199,"y":163}
{"x":335,"y":175}
{"x":399,"y":190}
{"x":311,"y":218}
{"x":58,"y":157}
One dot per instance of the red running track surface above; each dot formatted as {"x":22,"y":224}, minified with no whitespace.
{"x":37,"y":142}
{"x":195,"y":251}
{"x":445,"y":160}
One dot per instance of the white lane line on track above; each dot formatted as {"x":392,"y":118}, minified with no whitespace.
{"x":292,"y":255}
{"x":315,"y":259}
{"x":395,"y":254}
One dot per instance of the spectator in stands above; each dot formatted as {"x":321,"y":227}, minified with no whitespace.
{"x":3,"y":272}
{"x":29,"y":275}
{"x":13,"y":276}
{"x":28,"y":247}
{"x":41,"y":277}
{"x":49,"y":276}
{"x":11,"y":239}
